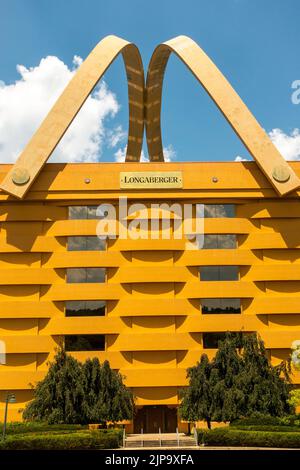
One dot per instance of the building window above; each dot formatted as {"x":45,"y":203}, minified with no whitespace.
{"x":85,"y":308}
{"x":219,"y":210}
{"x":219,"y":273}
{"x":89,"y":275}
{"x":86,"y":244}
{"x":220,"y":306}
{"x":85,"y":212}
{"x":211,"y":340}
{"x":218,"y":242}
{"x":85,"y":342}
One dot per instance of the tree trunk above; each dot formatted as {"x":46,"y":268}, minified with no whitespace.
{"x":208,"y":422}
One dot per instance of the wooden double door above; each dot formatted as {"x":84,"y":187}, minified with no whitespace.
{"x":153,"y":418}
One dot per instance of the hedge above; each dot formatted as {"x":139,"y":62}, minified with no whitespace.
{"x":243,"y":438}
{"x":71,"y":441}
{"x":24,"y":427}
{"x":278,"y":428}
{"x":266,"y":420}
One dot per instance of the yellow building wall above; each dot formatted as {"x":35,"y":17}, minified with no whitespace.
{"x":153,"y":324}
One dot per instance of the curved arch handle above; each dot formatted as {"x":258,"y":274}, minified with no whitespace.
{"x":270,"y":161}
{"x":30,"y":162}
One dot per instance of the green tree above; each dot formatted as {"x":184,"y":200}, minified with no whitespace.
{"x":294,"y":398}
{"x":226,"y":366}
{"x":239,"y":381}
{"x":265,"y":387}
{"x":106,"y":397}
{"x":59,"y":397}
{"x":197,"y":402}
{"x":72,"y":392}
{"x":93,"y":407}
{"x":118,"y":399}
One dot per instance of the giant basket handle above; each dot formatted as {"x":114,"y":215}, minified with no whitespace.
{"x":29,"y":164}
{"x":269,"y":160}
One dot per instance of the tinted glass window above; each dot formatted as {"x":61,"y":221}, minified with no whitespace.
{"x":77,"y":212}
{"x":219,"y":273}
{"x":86,"y":244}
{"x":221,"y":305}
{"x":211,"y":340}
{"x":85,"y":342}
{"x":219,"y":210}
{"x":214,"y":242}
{"x":226,"y":241}
{"x":85,"y":308}
{"x":229,"y":273}
{"x":81,"y":275}
{"x":209,"y":273}
{"x":210,"y":242}
{"x":84,"y":212}
{"x":92,"y":213}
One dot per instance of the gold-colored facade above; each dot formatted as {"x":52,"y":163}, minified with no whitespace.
{"x":153,"y":326}
{"x":156,"y":303}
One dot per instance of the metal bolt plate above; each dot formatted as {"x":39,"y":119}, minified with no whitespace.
{"x":20,"y":176}
{"x":281,"y":173}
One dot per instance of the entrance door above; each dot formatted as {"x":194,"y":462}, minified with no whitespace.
{"x":153,"y":418}
{"x":171,"y":419}
{"x":140,"y":421}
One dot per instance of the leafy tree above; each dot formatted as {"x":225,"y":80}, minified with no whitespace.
{"x":294,"y":398}
{"x":227,"y":365}
{"x":72,"y":392}
{"x":265,"y":387}
{"x":237,"y":382}
{"x":59,"y":397}
{"x":197,"y":400}
{"x":92,"y":407}
{"x":106,"y":397}
{"x":118,"y":399}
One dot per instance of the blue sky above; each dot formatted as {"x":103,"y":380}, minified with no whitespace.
{"x":255,"y":43}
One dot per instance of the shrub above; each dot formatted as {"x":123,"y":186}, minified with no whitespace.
{"x":77,"y":440}
{"x":242,"y":438}
{"x":290,"y":420}
{"x":294,"y":399}
{"x":256,"y":419}
{"x":40,"y":427}
{"x":272,"y":428}
{"x":259,"y":419}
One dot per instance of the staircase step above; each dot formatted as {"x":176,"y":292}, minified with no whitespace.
{"x":139,"y":443}
{"x":183,"y":442}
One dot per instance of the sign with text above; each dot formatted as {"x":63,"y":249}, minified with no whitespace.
{"x":150,"y":179}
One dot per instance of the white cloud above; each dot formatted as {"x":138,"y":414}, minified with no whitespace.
{"x":120,"y":154}
{"x":288,"y":145}
{"x":116,"y":136}
{"x":25,"y":103}
{"x":238,"y":158}
{"x":169,"y":154}
{"x":77,"y":60}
